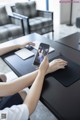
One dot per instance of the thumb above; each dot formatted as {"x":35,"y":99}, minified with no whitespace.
{"x":45,"y":60}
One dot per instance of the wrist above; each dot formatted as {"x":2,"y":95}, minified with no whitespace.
{"x":48,"y":70}
{"x":17,"y":46}
{"x":42,"y":73}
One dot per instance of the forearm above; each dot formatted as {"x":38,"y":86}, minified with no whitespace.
{"x":27,"y":80}
{"x":17,"y":85}
{"x":7,"y":49}
{"x":13,"y":45}
{"x":34,"y":93}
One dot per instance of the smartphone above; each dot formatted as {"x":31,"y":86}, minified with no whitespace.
{"x":42,"y":51}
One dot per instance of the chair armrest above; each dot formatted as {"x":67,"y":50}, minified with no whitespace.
{"x":17,"y":20}
{"x":47,"y":14}
{"x":25,"y":21}
{"x":19,"y":15}
{"x":15,"y":17}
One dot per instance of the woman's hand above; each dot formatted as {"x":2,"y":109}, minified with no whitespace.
{"x":56,"y":64}
{"x":31,"y":43}
{"x":26,"y":43}
{"x":44,"y":66}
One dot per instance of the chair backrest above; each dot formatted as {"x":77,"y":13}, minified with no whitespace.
{"x":4,"y":18}
{"x":26,"y":8}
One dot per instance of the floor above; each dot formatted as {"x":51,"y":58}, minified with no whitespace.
{"x":61,"y":31}
{"x":41,"y":112}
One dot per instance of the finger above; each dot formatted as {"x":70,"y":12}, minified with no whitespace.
{"x":45,"y":57}
{"x":61,"y":67}
{"x":59,"y":59}
{"x":31,"y":43}
{"x":45,"y":60}
{"x":63,"y":61}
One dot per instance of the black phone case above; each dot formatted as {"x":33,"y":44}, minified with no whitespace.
{"x":44,"y":47}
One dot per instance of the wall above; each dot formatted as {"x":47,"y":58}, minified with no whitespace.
{"x":41,"y":4}
{"x":54,"y":6}
{"x":76,"y":11}
{"x":65,"y":13}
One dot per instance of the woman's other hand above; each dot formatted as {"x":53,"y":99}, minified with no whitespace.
{"x":56,"y":64}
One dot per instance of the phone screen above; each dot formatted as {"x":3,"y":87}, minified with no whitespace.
{"x":42,"y":51}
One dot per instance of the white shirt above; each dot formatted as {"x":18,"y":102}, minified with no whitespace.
{"x":16,"y":112}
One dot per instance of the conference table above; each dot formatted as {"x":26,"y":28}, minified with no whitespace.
{"x":63,"y":100}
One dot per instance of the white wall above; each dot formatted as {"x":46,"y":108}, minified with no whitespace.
{"x":41,"y":4}
{"x":75,"y":12}
{"x":65,"y":13}
{"x":54,"y":6}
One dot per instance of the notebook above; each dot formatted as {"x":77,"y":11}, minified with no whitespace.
{"x":24,"y":53}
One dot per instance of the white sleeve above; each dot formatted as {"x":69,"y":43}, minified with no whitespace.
{"x":16,"y":112}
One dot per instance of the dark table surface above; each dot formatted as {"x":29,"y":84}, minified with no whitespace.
{"x":72,"y":40}
{"x":63,"y":101}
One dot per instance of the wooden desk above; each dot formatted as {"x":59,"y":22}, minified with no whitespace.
{"x":63,"y":101}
